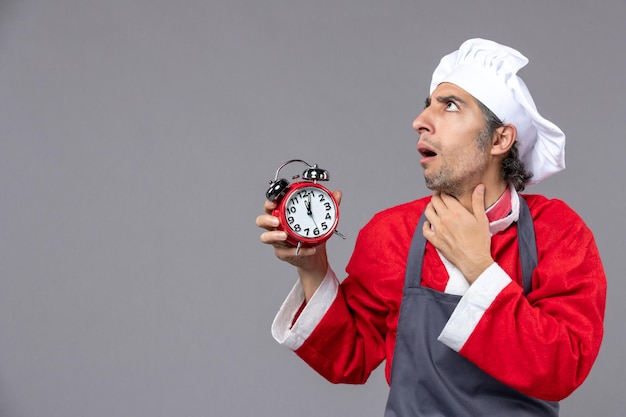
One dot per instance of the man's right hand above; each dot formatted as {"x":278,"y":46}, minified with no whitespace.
{"x":312,"y":263}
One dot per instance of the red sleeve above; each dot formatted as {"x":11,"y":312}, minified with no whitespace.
{"x":545,"y":344}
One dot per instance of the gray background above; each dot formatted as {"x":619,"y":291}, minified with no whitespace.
{"x":137,"y":139}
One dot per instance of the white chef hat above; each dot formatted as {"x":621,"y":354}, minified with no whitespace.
{"x":487,"y":71}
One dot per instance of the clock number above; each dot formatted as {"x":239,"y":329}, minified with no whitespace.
{"x":328,"y":217}
{"x":324,"y":226}
{"x":290,"y":219}
{"x":303,"y":194}
{"x":291,"y":209}
{"x":327,"y":205}
{"x":294,"y":200}
{"x":316,"y":231}
{"x":322,"y":198}
{"x":297,"y":227}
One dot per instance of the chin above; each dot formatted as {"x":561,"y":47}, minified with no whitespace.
{"x":451,"y":190}
{"x":433,"y":185}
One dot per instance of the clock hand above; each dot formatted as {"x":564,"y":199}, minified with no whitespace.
{"x":308,"y":210}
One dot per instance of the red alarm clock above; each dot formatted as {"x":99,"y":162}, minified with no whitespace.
{"x":308,"y":211}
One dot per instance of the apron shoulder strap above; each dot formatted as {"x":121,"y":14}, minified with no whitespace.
{"x":413,"y":272}
{"x":527,"y":245}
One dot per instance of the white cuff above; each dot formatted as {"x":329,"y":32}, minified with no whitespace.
{"x":294,"y":336}
{"x":472,"y":306}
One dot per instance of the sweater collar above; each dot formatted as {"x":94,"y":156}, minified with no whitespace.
{"x":503,"y":212}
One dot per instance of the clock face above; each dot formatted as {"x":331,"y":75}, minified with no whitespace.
{"x":310,"y":213}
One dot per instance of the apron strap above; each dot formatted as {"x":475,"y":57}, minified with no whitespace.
{"x":525,"y":239}
{"x":527,"y":245}
{"x":414,"y":263}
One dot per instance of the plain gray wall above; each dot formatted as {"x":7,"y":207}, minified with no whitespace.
{"x":137,"y":138}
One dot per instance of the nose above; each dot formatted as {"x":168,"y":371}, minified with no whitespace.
{"x":422,"y":122}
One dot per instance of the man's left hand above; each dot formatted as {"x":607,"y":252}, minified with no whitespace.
{"x":461,"y":236}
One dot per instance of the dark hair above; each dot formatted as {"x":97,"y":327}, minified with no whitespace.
{"x":513,"y":170}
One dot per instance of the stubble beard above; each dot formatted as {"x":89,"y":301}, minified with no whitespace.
{"x":460,"y":179}
{"x":441,"y":182}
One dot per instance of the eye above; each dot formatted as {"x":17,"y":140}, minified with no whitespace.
{"x":451,"y":106}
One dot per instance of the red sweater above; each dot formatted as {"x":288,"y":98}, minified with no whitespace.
{"x":543,"y":345}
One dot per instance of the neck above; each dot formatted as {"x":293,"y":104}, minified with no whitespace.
{"x":492,"y":193}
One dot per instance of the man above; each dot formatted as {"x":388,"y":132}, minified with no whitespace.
{"x":483,"y":302}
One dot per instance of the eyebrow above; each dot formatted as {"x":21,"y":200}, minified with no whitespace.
{"x":445,"y":99}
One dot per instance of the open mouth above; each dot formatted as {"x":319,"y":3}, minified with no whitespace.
{"x":426,"y":151}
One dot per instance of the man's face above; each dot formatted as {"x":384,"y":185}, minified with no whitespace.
{"x":452,"y":141}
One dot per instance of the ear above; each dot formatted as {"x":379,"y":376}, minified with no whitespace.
{"x":503,"y":140}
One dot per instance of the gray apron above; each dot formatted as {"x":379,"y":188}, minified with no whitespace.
{"x":428,"y":378}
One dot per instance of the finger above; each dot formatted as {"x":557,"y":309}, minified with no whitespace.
{"x":338,"y":195}
{"x":270,"y":206}
{"x":437,"y":203}
{"x":478,"y":201}
{"x":428,"y":232}
{"x":431,"y":213}
{"x":275,"y":237}
{"x":449,"y":201}
{"x":267,"y":221}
